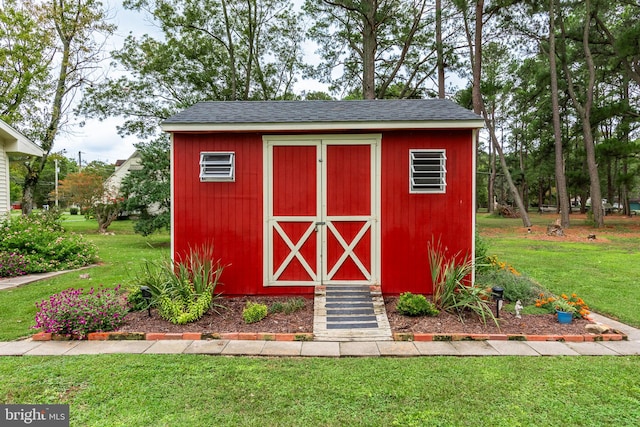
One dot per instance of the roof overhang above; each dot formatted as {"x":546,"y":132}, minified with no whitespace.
{"x":15,"y":142}
{"x":320,"y":126}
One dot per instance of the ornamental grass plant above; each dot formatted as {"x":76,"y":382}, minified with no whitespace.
{"x":183,"y":290}
{"x":452,"y":290}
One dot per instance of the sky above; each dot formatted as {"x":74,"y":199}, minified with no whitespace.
{"x":99,"y":140}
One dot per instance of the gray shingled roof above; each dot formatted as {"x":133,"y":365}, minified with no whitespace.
{"x":307,"y":112}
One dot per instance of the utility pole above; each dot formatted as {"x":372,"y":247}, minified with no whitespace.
{"x":57,"y":171}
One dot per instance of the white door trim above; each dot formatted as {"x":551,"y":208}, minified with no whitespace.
{"x":320,"y":275}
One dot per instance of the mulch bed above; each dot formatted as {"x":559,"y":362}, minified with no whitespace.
{"x":229,"y":319}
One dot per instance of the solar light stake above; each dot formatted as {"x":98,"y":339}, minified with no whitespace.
{"x":498,"y":293}
{"x":146,"y":294}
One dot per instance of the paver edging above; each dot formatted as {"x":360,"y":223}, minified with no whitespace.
{"x":410,"y":336}
{"x":192,"y":336}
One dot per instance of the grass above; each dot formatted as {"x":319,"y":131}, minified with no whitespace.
{"x":141,"y":390}
{"x":498,"y":391}
{"x":604,"y":274}
{"x":121,"y":255}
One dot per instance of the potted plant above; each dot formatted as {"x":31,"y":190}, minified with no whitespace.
{"x":564,"y":310}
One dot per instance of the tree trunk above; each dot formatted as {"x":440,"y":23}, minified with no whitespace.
{"x":440,"y":53}
{"x":561,"y":181}
{"x":369,"y":43}
{"x":479,"y":108}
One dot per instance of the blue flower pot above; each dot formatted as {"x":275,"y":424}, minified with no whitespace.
{"x":564,"y":317}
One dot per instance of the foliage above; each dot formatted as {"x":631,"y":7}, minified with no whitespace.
{"x":208,"y":50}
{"x":12,"y":264}
{"x":516,"y":287}
{"x":147,"y":191}
{"x":135,"y":300}
{"x":254,"y":312}
{"x":481,"y":253}
{"x":81,"y":188}
{"x":42,"y":242}
{"x":573,"y":304}
{"x":451,"y":293}
{"x":75,"y":313}
{"x":383,"y":49}
{"x":290,"y":306}
{"x":183,"y":290}
{"x":415,"y":305}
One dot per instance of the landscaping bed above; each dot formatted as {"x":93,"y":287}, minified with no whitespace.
{"x":229,"y":319}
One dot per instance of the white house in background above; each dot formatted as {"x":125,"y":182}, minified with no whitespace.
{"x":12,"y":141}
{"x":114,"y":182}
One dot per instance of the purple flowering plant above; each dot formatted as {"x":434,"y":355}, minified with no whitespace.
{"x":75,"y":313}
{"x":12,"y":264}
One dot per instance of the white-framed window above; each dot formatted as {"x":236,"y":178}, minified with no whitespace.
{"x":427,"y":171}
{"x":217,"y":166}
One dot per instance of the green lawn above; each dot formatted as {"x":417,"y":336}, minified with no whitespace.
{"x":170,"y":390}
{"x":604,"y":272}
{"x":197,"y":390}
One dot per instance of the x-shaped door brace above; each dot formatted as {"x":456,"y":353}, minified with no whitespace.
{"x":348,"y":250}
{"x":295,"y":250}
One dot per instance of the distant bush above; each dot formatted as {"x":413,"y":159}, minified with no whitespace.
{"x":75,"y":313}
{"x":44,"y":244}
{"x":254,"y":312}
{"x":415,"y":305}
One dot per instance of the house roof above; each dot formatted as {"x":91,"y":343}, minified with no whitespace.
{"x":322,"y":115}
{"x":15,"y":142}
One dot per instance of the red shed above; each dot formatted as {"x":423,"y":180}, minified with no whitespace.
{"x":295,"y":194}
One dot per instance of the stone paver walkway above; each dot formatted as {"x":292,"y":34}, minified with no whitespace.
{"x":322,"y":349}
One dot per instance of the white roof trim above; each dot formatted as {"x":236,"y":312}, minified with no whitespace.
{"x":15,"y":142}
{"x":328,"y":126}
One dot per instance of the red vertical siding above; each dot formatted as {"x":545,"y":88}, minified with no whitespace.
{"x":410,"y":221}
{"x":229,"y":214}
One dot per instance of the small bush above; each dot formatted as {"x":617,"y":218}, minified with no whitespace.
{"x":254,"y":312}
{"x":75,"y":313}
{"x":73,"y":211}
{"x":415,"y":305}
{"x":516,"y":287}
{"x":288,"y":307}
{"x":136,"y":301}
{"x":12,"y":264}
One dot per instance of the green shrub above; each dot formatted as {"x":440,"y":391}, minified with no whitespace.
{"x":482,"y":250}
{"x":516,"y":287}
{"x":288,"y":307}
{"x":254,"y":312}
{"x":415,"y":305}
{"x":136,"y":301}
{"x":44,"y":244}
{"x":73,"y":211}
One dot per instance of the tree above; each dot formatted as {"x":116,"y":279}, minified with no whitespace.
{"x":24,"y":62}
{"x":584,"y":106}
{"x":561,"y":182}
{"x":69,"y":51}
{"x":474,"y":39}
{"x":210,"y":50}
{"x":376,"y":43}
{"x":146,"y":190}
{"x":82,"y":189}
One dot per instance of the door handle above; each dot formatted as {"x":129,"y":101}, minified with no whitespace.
{"x":319,"y":223}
